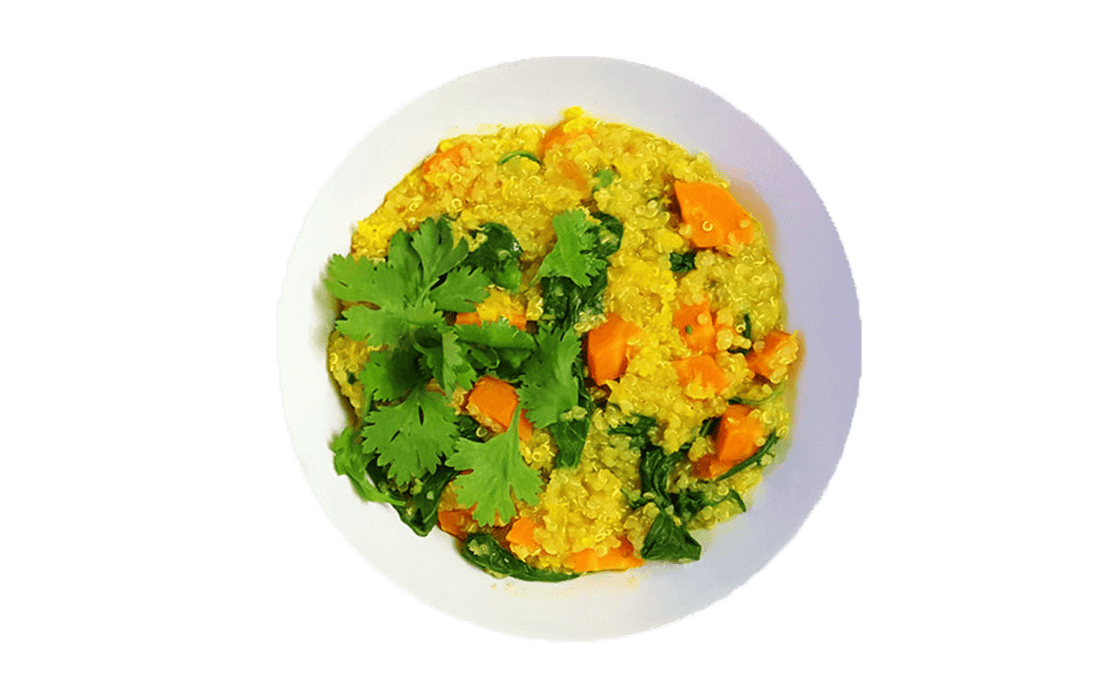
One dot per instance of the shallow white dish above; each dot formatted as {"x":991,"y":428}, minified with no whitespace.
{"x":819,"y":292}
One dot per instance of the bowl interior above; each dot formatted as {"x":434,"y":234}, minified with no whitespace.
{"x":821,"y":304}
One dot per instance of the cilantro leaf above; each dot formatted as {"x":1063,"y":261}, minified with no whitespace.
{"x":563,"y":300}
{"x":549,"y":386}
{"x":497,"y":470}
{"x":447,"y":361}
{"x":387,"y":326}
{"x":497,"y":347}
{"x":571,"y":256}
{"x":403,"y":259}
{"x":411,"y":437}
{"x":460,"y":290}
{"x":499,"y":334}
{"x":498,"y":256}
{"x":365,"y":281}
{"x":389,"y":374}
{"x":434,"y":243}
{"x":349,"y":459}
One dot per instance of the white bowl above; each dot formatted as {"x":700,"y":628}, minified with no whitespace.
{"x":819,"y":291}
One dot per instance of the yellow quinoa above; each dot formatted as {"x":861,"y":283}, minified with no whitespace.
{"x":599,"y":505}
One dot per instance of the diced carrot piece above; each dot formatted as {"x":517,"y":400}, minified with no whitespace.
{"x":558,"y":136}
{"x":702,"y":369}
{"x":709,"y":467}
{"x":517,"y":319}
{"x":522,"y":533}
{"x":608,"y":348}
{"x":715,"y":217}
{"x":454,"y":155}
{"x":738,"y":434}
{"x":779,"y":352}
{"x":584,"y":561}
{"x":498,"y":401}
{"x":456,"y":521}
{"x":496,"y":306}
{"x":696,"y":325}
{"x":620,"y":558}
{"x":574,"y":175}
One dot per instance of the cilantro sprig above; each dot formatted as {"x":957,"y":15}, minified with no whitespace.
{"x":412,"y":436}
{"x":549,"y":386}
{"x":399,"y":305}
{"x":407,"y":293}
{"x":572,"y":256}
{"x":411,"y":443}
{"x":566,"y":299}
{"x":496,"y":471}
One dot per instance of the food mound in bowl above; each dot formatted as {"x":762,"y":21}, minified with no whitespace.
{"x":563,"y":346}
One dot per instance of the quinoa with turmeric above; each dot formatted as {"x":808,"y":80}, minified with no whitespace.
{"x":562,"y":345}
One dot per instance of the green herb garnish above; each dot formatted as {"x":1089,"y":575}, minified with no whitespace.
{"x":549,"y":386}
{"x":497,"y":470}
{"x":498,"y":256}
{"x":411,"y":437}
{"x":564,"y":300}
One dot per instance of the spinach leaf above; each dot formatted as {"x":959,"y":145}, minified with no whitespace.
{"x":352,"y":460}
{"x":710,"y":425}
{"x":753,"y":460}
{"x":520,"y":153}
{"x":779,"y":389}
{"x":420,"y":509}
{"x":468,"y":427}
{"x":417,"y":503}
{"x":486,"y":553}
{"x":687,"y":504}
{"x":496,"y":348}
{"x":667,"y":540}
{"x":681,"y":262}
{"x":609,"y":234}
{"x":638,"y":431}
{"x":748,"y":336}
{"x":654,"y":468}
{"x":570,"y":435}
{"x":562,"y":301}
{"x":498,"y":256}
